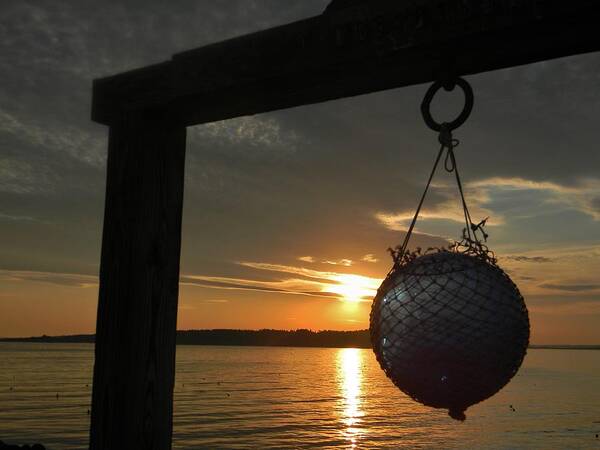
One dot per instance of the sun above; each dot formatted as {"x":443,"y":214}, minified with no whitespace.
{"x":353,"y":288}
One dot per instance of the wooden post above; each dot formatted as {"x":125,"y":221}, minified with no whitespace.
{"x":134,"y":370}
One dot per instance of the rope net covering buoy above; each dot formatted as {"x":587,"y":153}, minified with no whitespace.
{"x":449,"y":329}
{"x":448,"y":326}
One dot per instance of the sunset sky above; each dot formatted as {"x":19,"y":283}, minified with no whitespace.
{"x":288,"y":215}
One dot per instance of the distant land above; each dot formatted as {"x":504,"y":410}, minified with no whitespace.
{"x":266,"y":338}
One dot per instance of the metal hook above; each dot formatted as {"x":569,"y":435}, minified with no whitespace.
{"x":449,"y":86}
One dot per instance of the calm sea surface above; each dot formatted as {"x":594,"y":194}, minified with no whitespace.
{"x":265,"y":397}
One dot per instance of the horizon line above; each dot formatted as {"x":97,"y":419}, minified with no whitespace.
{"x":89,"y":335}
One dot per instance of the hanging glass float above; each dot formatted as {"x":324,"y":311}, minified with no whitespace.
{"x":448,"y":326}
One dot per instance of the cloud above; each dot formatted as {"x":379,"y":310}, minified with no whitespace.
{"x":62,"y":279}
{"x":525,"y":278}
{"x":529,"y":259}
{"x":570,"y":287}
{"x":446,"y":207}
{"x":69,"y":140}
{"x":401,"y":221}
{"x":260,"y":133}
{"x":339,"y":262}
{"x":503,"y":200}
{"x":302,"y":271}
{"x":370,"y":258}
{"x":303,"y":282}
{"x":553,"y":305}
{"x":21,"y":177}
{"x":16,"y":218}
{"x":345,"y":286}
{"x":308,"y":259}
{"x":287,"y":286}
{"x":581,"y":196}
{"x":568,"y":270}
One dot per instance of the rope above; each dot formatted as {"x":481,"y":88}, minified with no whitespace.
{"x":448,"y":144}
{"x":414,"y":221}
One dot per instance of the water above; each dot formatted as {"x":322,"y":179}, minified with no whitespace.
{"x":264,"y":397}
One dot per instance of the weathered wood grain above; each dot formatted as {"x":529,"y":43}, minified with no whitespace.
{"x":134,"y":368}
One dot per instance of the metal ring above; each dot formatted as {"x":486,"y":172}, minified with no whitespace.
{"x":464,"y":115}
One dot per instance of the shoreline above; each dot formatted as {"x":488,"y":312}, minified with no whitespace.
{"x":264,"y":338}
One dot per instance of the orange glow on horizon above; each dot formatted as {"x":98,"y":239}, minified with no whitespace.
{"x":353,"y":288}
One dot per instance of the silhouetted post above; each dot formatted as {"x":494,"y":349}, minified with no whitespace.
{"x":134,"y":370}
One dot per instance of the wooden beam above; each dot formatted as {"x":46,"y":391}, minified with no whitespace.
{"x":132,"y":400}
{"x":355,"y":47}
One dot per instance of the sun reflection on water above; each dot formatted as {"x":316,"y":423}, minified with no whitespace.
{"x":349,"y":375}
